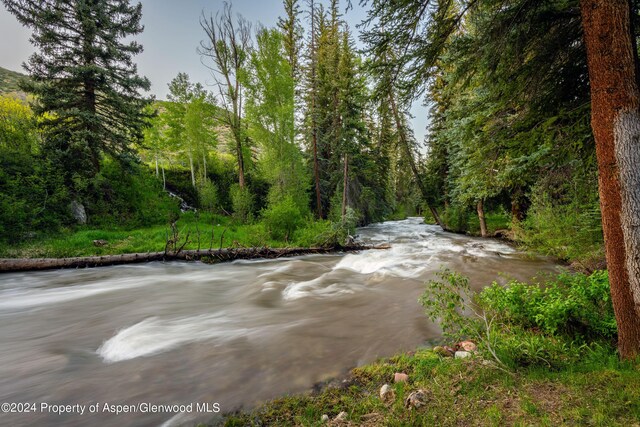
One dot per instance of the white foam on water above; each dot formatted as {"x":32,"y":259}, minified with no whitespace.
{"x":318,"y":287}
{"x":21,"y":299}
{"x":155,"y":335}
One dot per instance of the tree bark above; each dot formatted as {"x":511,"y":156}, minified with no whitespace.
{"x":615,"y":121}
{"x":481,"y":218}
{"x":314,"y":126}
{"x":345,"y":180}
{"x":193,"y":173}
{"x":210,"y":256}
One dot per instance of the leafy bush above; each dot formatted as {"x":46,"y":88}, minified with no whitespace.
{"x":573,"y":305}
{"x":207,"y":195}
{"x":568,"y":231}
{"x":33,"y":198}
{"x":339,"y":231}
{"x":312,"y":233}
{"x":242,"y":203}
{"x":283,"y":219}
{"x":524,"y":324}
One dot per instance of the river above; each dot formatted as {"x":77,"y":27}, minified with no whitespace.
{"x":224,"y":336}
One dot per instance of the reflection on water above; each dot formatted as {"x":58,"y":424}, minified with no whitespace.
{"x":236,"y":333}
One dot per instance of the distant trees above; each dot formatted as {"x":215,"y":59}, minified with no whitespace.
{"x":85,"y":83}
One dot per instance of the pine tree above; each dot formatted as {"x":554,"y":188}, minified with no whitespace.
{"x":84,"y":80}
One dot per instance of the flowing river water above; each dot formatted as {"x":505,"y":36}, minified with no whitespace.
{"x":230,"y":334}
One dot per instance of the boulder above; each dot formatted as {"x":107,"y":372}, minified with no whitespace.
{"x":78,"y":212}
{"x":100,"y":242}
{"x":324,"y":418}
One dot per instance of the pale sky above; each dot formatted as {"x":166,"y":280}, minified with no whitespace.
{"x":170,"y":39}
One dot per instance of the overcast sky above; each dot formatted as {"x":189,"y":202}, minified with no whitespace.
{"x":170,"y":39}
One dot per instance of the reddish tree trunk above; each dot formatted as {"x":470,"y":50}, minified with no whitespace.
{"x":615,"y":121}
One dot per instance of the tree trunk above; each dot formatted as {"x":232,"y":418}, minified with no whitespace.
{"x":412,"y":161}
{"x":314,"y":126}
{"x":483,"y":222}
{"x":345,"y":179}
{"x":204,"y":165}
{"x":157,"y":171}
{"x":615,"y":121}
{"x":193,"y":173}
{"x":517,"y":212}
{"x":164,"y":181}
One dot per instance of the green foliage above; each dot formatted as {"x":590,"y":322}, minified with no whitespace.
{"x":17,"y":126}
{"x":312,"y":233}
{"x":33,"y":197}
{"x":85,"y":82}
{"x":570,"y":230}
{"x":282,"y":219}
{"x":242,"y":202}
{"x":550,"y":324}
{"x":456,"y":218}
{"x":339,"y":230}
{"x":445,"y":301}
{"x":571,"y":305}
{"x":129,"y":196}
{"x":207,"y":195}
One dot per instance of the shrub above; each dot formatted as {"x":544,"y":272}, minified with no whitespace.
{"x":572,"y":305}
{"x":524,"y":324}
{"x":282,"y":219}
{"x":207,"y":195}
{"x":242,"y":203}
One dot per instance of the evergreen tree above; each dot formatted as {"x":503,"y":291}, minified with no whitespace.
{"x":85,"y":82}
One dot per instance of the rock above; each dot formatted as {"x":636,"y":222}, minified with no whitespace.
{"x":100,"y":242}
{"x":468,"y":346}
{"x":342,"y":416}
{"x":78,"y":212}
{"x":462,"y":354}
{"x":416,"y":399}
{"x":443,"y":351}
{"x":387,"y":394}
{"x":325,"y":418}
{"x":400,"y":377}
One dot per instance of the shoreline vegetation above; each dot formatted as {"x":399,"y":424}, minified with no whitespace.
{"x":543,"y":357}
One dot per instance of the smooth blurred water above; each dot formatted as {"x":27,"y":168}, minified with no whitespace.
{"x":236,"y":333}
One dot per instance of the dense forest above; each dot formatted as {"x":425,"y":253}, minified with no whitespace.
{"x":305,"y":133}
{"x":302,"y":126}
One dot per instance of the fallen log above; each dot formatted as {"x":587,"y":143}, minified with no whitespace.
{"x":209,"y":256}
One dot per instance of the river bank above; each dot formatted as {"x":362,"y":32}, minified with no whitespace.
{"x":542,"y":358}
{"x":237,"y":333}
{"x":458,"y":392}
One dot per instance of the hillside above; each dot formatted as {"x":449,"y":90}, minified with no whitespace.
{"x":9,"y":83}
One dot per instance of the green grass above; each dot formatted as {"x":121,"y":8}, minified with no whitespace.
{"x":215,"y":231}
{"x":467,"y":392}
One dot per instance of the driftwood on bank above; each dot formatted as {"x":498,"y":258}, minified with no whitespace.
{"x":215,"y":255}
